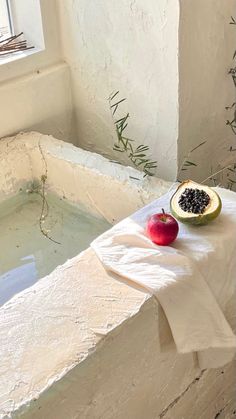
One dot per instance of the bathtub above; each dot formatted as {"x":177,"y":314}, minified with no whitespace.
{"x":80,"y":343}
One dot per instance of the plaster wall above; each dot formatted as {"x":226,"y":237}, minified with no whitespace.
{"x":130,"y":46}
{"x":206,"y":47}
{"x":35,"y":91}
{"x":172,"y":69}
{"x":170,"y":60}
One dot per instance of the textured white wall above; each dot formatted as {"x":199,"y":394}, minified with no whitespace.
{"x":131,"y":46}
{"x":206,"y":46}
{"x":172,"y":70}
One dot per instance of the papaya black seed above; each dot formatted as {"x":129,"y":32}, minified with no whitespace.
{"x":194,"y":200}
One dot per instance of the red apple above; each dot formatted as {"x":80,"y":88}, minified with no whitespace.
{"x":162,"y":228}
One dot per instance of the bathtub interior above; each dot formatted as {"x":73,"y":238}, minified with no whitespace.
{"x":85,"y":193}
{"x":28,"y":255}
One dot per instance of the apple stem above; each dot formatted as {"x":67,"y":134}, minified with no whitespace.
{"x":163,"y":211}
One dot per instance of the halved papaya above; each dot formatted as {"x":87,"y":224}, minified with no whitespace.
{"x":195,"y":204}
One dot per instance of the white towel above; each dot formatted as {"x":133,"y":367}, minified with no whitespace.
{"x":193,"y":278}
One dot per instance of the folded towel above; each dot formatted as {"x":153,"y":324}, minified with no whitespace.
{"x":193,"y":279}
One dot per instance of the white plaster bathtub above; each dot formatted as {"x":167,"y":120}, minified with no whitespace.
{"x":79,"y":343}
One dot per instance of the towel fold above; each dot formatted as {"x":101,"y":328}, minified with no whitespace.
{"x":193,"y":279}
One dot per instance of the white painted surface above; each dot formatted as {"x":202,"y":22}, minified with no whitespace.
{"x":131,"y":46}
{"x":62,"y":352}
{"x":41,"y":100}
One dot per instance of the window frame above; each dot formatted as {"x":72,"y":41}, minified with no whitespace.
{"x":24,"y":16}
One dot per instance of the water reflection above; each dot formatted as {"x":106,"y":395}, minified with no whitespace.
{"x":17,"y":279}
{"x":26,"y":255}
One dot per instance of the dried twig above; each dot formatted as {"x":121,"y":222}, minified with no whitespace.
{"x":45,"y":206}
{"x":12,"y":44}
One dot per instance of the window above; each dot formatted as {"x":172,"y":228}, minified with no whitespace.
{"x":26,"y":17}
{"x":21,"y":16}
{"x":5,"y":19}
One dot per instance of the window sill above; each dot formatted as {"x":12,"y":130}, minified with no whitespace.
{"x":19,"y":56}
